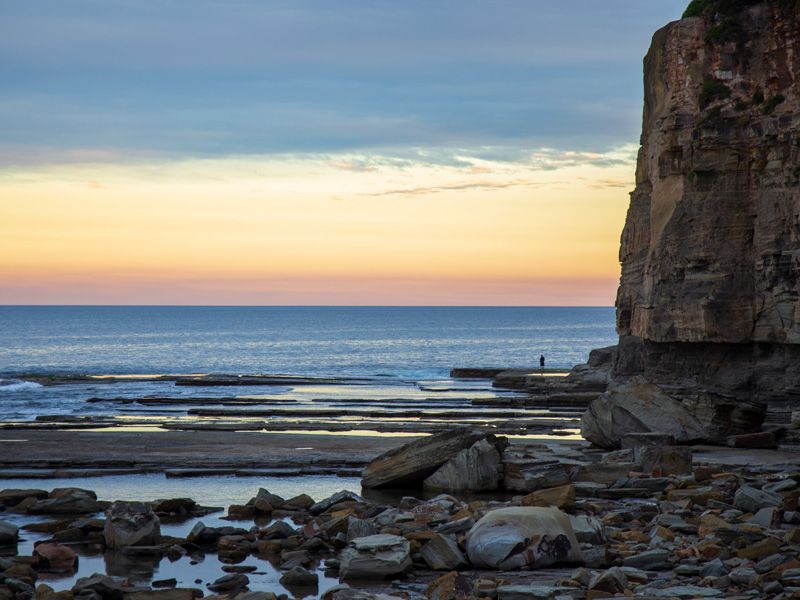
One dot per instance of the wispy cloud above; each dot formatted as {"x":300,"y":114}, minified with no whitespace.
{"x":455,"y":187}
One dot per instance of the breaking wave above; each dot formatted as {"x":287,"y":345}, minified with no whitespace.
{"x":17,"y":385}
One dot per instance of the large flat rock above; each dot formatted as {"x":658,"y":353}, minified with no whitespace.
{"x":411,"y":463}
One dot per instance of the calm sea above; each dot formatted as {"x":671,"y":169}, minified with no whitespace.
{"x":414,"y":342}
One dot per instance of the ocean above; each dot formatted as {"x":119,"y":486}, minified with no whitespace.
{"x":331,"y":341}
{"x":404,"y":353}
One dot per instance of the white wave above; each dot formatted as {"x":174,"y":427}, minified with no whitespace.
{"x":17,"y":385}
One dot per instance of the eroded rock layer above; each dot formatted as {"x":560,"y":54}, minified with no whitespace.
{"x":710,"y":252}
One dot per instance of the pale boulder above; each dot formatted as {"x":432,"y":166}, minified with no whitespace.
{"x":522,"y":537}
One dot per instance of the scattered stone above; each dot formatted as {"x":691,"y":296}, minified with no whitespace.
{"x":671,"y":460}
{"x":375,"y":557}
{"x":68,"y":501}
{"x":450,"y":586}
{"x":750,"y":499}
{"x":649,"y":559}
{"x":561,"y":497}
{"x":517,"y":537}
{"x":613,"y":581}
{"x":441,"y":553}
{"x":300,"y":502}
{"x":766,"y":517}
{"x":527,"y":477}
{"x":300,"y":578}
{"x":588,"y":529}
{"x":277,"y":530}
{"x":687,"y":591}
{"x":106,"y":586}
{"x":760,"y":439}
{"x":131,"y":524}
{"x":230,"y":584}
{"x":9,"y":534}
{"x":337,"y":498}
{"x":55,"y":558}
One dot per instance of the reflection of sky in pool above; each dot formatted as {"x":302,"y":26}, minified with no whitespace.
{"x":212,"y":491}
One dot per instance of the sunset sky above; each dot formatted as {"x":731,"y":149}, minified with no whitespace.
{"x":315,"y":152}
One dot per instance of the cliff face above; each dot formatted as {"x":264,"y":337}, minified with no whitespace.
{"x":710,"y":252}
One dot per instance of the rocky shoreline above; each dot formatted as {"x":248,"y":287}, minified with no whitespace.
{"x":651,"y":520}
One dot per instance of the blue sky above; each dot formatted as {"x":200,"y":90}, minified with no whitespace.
{"x":127,"y":78}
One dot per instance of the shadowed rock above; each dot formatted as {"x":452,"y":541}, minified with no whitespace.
{"x":411,"y":463}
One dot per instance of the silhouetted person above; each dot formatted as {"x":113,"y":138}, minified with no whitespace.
{"x":541,"y":362}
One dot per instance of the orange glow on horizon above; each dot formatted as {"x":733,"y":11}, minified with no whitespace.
{"x":307,"y":231}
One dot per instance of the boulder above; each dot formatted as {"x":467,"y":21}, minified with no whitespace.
{"x":522,"y":537}
{"x":131,"y":524}
{"x":412,"y":463}
{"x":9,"y":534}
{"x":442,"y":553}
{"x":638,"y":407}
{"x":375,"y":557}
{"x":474,"y":469}
{"x":55,"y":558}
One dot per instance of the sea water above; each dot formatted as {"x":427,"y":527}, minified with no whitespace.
{"x":423,"y":342}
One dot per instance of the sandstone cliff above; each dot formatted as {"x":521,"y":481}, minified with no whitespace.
{"x":710,"y":287}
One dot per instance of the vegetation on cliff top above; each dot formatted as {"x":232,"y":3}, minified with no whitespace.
{"x":704,"y":8}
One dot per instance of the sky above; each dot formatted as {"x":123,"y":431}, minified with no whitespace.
{"x":265,"y":152}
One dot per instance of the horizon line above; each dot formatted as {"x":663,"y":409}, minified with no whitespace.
{"x":44,"y":305}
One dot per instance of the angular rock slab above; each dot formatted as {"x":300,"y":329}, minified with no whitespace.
{"x":638,"y":407}
{"x":375,"y":557}
{"x":522,"y":537}
{"x":475,"y":469}
{"x":131,"y":524}
{"x":411,"y":463}
{"x":441,"y":553}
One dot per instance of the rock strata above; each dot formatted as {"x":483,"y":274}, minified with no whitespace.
{"x":709,"y":295}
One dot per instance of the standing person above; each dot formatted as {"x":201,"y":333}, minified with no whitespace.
{"x":541,"y":363}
